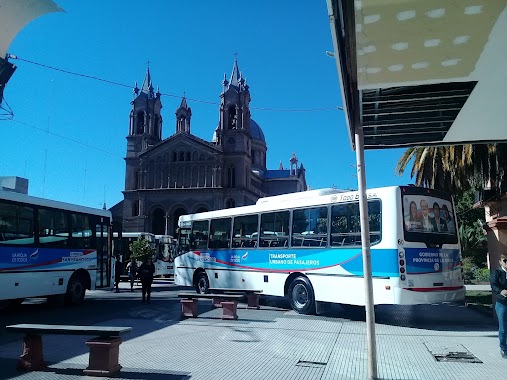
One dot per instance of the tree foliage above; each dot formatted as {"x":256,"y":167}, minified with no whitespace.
{"x":461,"y":170}
{"x":471,"y":232}
{"x":456,"y":168}
{"x":141,"y":249}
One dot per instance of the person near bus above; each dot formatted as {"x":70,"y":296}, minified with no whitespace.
{"x":132,"y":272}
{"x":499,"y":288}
{"x":146,"y":272}
{"x":118,"y":269}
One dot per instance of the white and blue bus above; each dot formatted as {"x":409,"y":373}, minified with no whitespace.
{"x":307,"y":246}
{"x":165,"y":251}
{"x":52,"y":249}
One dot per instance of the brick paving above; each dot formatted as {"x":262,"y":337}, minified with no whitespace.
{"x":270,"y":343}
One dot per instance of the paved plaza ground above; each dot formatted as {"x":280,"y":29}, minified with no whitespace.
{"x":271,"y":343}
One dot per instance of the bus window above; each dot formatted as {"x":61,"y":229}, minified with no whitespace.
{"x":346,"y":226}
{"x":309,"y":227}
{"x":274,"y":229}
{"x":244,"y":229}
{"x":220,"y":232}
{"x":53,"y":228}
{"x":81,"y":231}
{"x":199,"y":236}
{"x":16,"y":224}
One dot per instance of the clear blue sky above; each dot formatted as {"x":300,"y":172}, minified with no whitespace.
{"x":68,"y":132}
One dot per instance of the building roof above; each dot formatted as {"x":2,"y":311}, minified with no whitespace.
{"x":274,"y":174}
{"x":256,"y":131}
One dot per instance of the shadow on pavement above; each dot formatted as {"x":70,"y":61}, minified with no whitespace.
{"x":440,"y":317}
{"x":126,"y":373}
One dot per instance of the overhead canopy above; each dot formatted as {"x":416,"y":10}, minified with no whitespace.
{"x":15,"y":14}
{"x":422,"y":72}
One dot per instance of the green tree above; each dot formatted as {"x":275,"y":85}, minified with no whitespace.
{"x":141,"y":249}
{"x":457,"y":168}
{"x":471,"y":232}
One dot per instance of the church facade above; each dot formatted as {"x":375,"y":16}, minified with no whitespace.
{"x":185,"y":174}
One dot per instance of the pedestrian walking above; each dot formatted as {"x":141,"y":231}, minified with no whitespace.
{"x":146,"y":272}
{"x":118,"y":269}
{"x":132,"y":272}
{"x":499,"y":287}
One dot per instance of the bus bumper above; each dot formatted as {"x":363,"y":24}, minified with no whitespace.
{"x":415,"y":296}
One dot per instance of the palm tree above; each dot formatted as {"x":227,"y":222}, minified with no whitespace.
{"x":456,"y":168}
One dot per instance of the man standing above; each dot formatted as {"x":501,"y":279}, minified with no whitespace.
{"x":499,"y":288}
{"x":146,"y":272}
{"x":118,"y":270}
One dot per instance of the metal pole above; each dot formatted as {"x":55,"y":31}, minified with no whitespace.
{"x":365,"y":239}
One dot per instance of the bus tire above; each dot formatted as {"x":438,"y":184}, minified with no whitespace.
{"x":16,"y":302}
{"x":76,"y":290}
{"x":301,"y":296}
{"x":202,"y":283}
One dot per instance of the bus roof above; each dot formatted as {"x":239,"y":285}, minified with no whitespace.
{"x":299,"y":195}
{"x":29,"y":200}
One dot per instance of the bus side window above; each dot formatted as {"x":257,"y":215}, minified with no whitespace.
{"x":274,"y":229}
{"x":345,"y":224}
{"x":245,"y":231}
{"x":200,"y":233}
{"x":16,"y":224}
{"x":53,"y":228}
{"x":220,"y":233}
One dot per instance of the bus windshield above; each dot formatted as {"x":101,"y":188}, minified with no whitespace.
{"x":428,"y":216}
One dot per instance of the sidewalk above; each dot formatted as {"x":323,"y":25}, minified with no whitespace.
{"x":274,"y":343}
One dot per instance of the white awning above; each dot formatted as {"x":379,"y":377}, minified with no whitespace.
{"x":15,"y":14}
{"x":422,"y":72}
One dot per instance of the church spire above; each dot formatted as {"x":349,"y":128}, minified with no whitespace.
{"x":147,"y":87}
{"x":235,"y":75}
{"x":183,"y":116}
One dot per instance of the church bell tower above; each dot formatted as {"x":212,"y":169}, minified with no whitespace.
{"x":145,"y":128}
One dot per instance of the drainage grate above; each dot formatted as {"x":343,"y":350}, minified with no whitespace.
{"x":456,"y":353}
{"x":305,"y":363}
{"x":462,"y":357}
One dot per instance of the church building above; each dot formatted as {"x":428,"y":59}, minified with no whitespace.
{"x":185,"y":174}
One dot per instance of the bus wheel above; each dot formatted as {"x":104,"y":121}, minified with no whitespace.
{"x":75,"y":291}
{"x":16,"y":301}
{"x":202,"y":283}
{"x":301,"y":296}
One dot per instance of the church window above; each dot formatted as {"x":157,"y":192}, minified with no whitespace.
{"x":230,"y":203}
{"x":140,"y":122}
{"x":232,"y":118}
{"x":231,"y":140}
{"x":195,"y":176}
{"x":195,"y":156}
{"x":158,"y":222}
{"x":231,"y":177}
{"x":175,"y":156}
{"x":188,"y":156}
{"x":186,"y":177}
{"x":254,"y":159}
{"x":136,"y":180}
{"x":182,"y":156}
{"x":135,"y":208}
{"x":156,"y":127}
